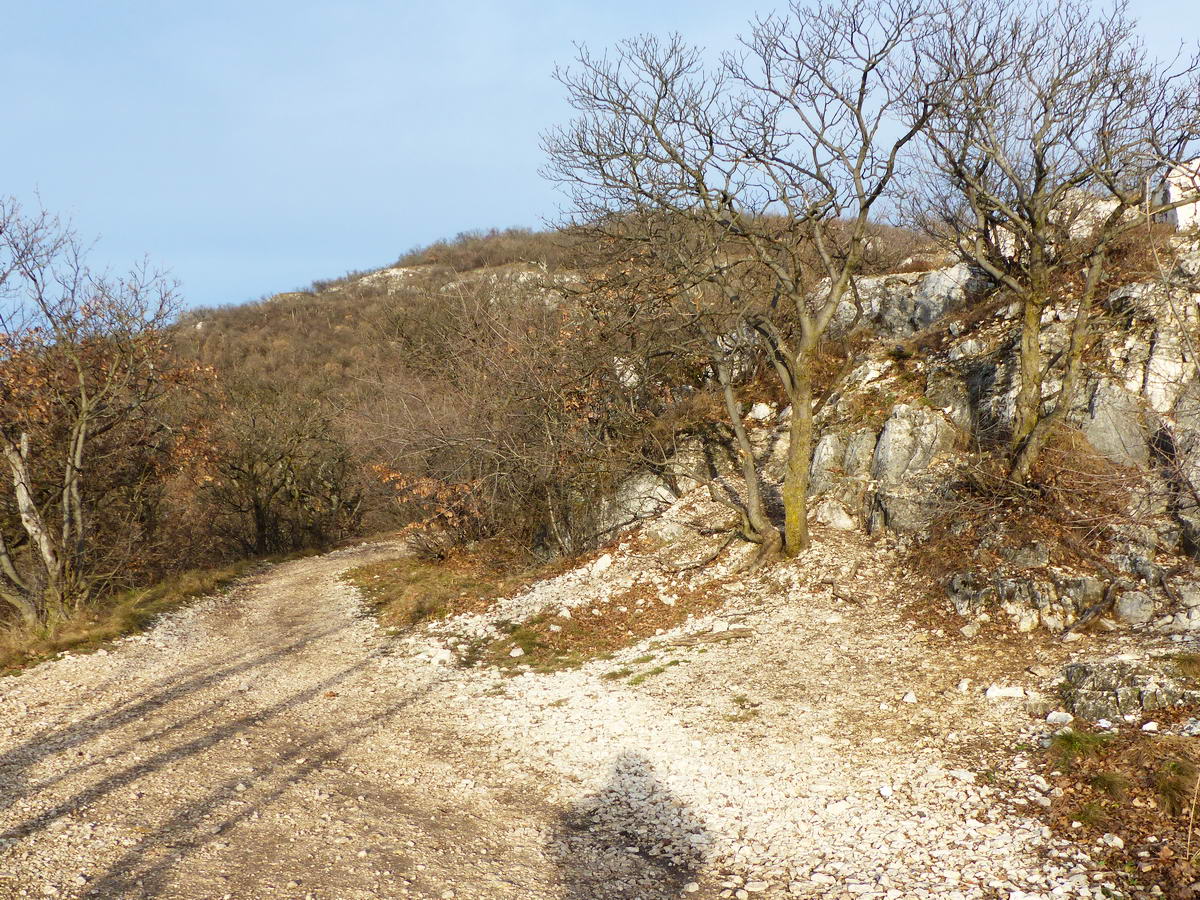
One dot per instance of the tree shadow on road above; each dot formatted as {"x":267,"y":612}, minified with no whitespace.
{"x":633,"y":838}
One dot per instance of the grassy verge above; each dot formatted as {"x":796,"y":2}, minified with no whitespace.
{"x":122,"y":614}
{"x":407,"y":591}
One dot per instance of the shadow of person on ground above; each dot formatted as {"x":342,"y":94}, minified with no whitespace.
{"x":633,"y":838}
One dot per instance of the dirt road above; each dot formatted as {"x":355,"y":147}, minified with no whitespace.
{"x":249,"y":747}
{"x":274,"y":743}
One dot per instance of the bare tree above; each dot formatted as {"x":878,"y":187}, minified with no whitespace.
{"x":280,"y":477}
{"x":1053,"y":125}
{"x":775,"y":160}
{"x":81,"y":354}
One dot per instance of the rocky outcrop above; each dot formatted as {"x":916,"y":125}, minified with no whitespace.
{"x":908,"y":489}
{"x":1114,"y":688}
{"x":904,"y":304}
{"x":885,"y":454}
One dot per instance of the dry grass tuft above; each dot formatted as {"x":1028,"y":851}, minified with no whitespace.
{"x":404,"y":592}
{"x":1188,"y":664}
{"x":117,"y":616}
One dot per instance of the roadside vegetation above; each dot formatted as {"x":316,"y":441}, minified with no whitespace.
{"x":407,"y":591}
{"x":120,"y":614}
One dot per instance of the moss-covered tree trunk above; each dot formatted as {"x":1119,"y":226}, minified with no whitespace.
{"x":800,"y":440}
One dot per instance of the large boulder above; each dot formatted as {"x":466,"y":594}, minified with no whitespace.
{"x":1114,"y":424}
{"x":907,"y":492}
{"x":911,"y":438}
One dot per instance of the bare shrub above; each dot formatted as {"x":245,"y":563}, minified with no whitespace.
{"x":84,"y":362}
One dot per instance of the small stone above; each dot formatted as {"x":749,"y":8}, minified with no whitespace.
{"x":691,"y":887}
{"x":1113,"y":841}
{"x":970,"y":630}
{"x":963,"y":685}
{"x":757,"y":887}
{"x":910,"y":697}
{"x":886,"y":792}
{"x":1058,"y":717}
{"x":240,"y":787}
{"x":1150,"y":726}
{"x":1004,"y":692}
{"x":516,"y":651}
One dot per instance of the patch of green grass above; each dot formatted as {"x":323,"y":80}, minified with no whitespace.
{"x":1090,"y":813}
{"x":527,"y":639}
{"x":744,"y":716}
{"x":642,"y":660}
{"x":643,"y":677}
{"x":617,"y":674}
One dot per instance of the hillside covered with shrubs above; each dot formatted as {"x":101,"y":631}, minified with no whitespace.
{"x":1007,"y":362}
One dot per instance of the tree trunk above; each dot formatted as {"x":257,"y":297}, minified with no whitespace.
{"x":25,"y":608}
{"x":262,"y":528}
{"x":756,"y":515}
{"x":1029,"y":360}
{"x":800,"y":436}
{"x":16,"y":453}
{"x":1028,"y":451}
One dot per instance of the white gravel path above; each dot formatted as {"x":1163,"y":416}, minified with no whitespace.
{"x":273,"y":743}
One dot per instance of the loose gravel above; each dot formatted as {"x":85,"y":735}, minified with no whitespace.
{"x":811,"y":738}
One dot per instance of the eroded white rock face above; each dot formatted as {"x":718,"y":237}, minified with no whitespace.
{"x":911,"y":438}
{"x":1181,"y":183}
{"x":905,"y":303}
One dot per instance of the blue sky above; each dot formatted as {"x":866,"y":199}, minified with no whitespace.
{"x":252,"y":147}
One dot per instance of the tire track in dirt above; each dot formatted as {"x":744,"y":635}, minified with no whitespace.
{"x":250,"y":746}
